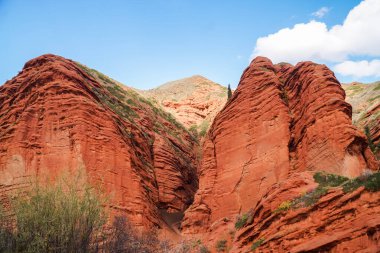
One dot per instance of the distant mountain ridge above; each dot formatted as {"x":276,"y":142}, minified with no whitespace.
{"x":194,"y":101}
{"x":365,"y":102}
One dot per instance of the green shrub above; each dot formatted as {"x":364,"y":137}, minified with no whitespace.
{"x":6,"y":235}
{"x":221,"y":245}
{"x":371,"y":182}
{"x":103,"y":77}
{"x":203,"y":249}
{"x":331,"y":180}
{"x":117,"y":91}
{"x":203,"y":128}
{"x":257,"y":244}
{"x":310,"y":198}
{"x":241,"y":221}
{"x":284,"y":206}
{"x":117,"y":106}
{"x":193,"y":129}
{"x":56,"y":218}
{"x":85,"y":69}
{"x":125,"y":239}
{"x":371,"y":144}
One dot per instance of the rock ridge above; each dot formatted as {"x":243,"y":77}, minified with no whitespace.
{"x":281,"y":121}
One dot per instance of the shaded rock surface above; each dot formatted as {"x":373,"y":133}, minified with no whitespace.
{"x":58,"y":115}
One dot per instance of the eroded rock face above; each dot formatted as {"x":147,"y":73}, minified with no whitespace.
{"x":365,"y":101}
{"x":57,"y":115}
{"x":281,"y":121}
{"x":282,"y":124}
{"x":338,"y":222}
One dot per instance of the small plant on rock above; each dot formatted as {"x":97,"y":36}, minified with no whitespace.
{"x":371,"y":182}
{"x":284,"y":206}
{"x":257,"y":244}
{"x":221,"y":246}
{"x":331,"y":180}
{"x":203,"y":249}
{"x":241,"y":221}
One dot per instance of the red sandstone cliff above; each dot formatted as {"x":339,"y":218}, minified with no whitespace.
{"x":282,"y":122}
{"x":57,"y":115}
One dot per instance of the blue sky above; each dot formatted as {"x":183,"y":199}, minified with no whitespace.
{"x":146,"y":43}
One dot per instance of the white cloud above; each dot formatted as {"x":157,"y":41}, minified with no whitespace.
{"x":321,"y":12}
{"x":359,"y":35}
{"x":359,"y":69}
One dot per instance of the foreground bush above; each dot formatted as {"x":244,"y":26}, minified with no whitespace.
{"x":123,"y":238}
{"x":69,"y":217}
{"x":60,"y":217}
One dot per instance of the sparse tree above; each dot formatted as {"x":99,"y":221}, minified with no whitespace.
{"x":229,"y":91}
{"x":66,"y":216}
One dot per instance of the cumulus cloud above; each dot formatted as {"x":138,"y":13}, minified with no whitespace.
{"x":359,"y":35}
{"x":321,"y":12}
{"x":359,"y":69}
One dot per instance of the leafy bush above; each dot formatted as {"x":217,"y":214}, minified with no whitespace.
{"x":332,"y":180}
{"x":6,"y":236}
{"x":203,"y":249}
{"x":125,"y":239}
{"x":55,"y":218}
{"x":119,"y":107}
{"x":310,"y":198}
{"x":204,"y":127}
{"x":117,"y":91}
{"x":193,"y":129}
{"x":221,"y":246}
{"x":284,"y":206}
{"x":257,"y":244}
{"x":307,"y":199}
{"x":371,"y":182}
{"x":241,"y":221}
{"x":374,"y":148}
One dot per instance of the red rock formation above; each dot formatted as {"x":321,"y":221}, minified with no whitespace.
{"x":323,"y":137}
{"x":242,"y":158}
{"x":282,"y":124}
{"x":57,"y":115}
{"x":281,"y":120}
{"x":338,"y":222}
